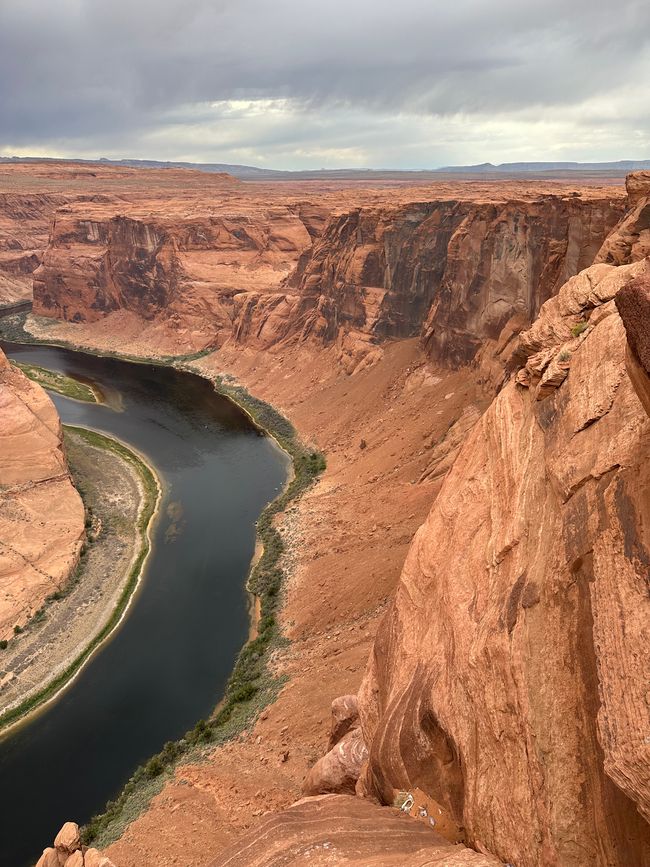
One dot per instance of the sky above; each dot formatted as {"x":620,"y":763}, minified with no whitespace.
{"x":295,"y":84}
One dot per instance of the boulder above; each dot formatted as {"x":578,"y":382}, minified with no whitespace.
{"x":338,"y":770}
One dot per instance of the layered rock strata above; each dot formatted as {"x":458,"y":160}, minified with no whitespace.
{"x":350,"y":270}
{"x":455,"y":271}
{"x":342,"y":830}
{"x":509,"y":679}
{"x":41,"y":513}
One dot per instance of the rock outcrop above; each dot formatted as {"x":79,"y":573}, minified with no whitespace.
{"x":188,"y":271}
{"x":631,"y":240}
{"x":69,"y":852}
{"x":455,"y":271}
{"x":343,"y":830}
{"x":350,"y":270}
{"x":509,"y":678}
{"x":41,"y":513}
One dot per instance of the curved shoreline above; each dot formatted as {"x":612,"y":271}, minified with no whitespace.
{"x":147,"y":477}
{"x":251,"y":686}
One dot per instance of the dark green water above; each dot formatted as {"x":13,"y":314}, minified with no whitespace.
{"x":168,"y":663}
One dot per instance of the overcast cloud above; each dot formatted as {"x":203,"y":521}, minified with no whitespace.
{"x":299,"y":84}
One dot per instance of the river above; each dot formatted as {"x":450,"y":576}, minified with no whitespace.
{"x":167,"y":664}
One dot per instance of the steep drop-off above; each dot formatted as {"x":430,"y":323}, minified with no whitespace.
{"x":505,"y":684}
{"x":454,"y":271}
{"x":509,"y":678}
{"x":453,"y":268}
{"x":41,"y":513}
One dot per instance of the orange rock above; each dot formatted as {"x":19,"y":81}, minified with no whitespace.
{"x":49,"y":858}
{"x":41,"y":513}
{"x":345,"y":716}
{"x":338,"y":770}
{"x":342,"y":830}
{"x":93,"y":858}
{"x":508,"y":680}
{"x":68,"y":839}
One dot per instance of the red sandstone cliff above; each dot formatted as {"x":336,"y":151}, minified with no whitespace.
{"x":41,"y":513}
{"x":509,"y":679}
{"x":452,"y":269}
{"x":187,"y":270}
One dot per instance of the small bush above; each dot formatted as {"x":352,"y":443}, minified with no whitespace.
{"x":579,"y":328}
{"x":154,"y":767}
{"x":564,"y":356}
{"x":17,"y":629}
{"x":3,"y":644}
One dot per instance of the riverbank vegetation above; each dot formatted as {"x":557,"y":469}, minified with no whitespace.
{"x":59,"y":382}
{"x":251,"y":686}
{"x":149,"y":492}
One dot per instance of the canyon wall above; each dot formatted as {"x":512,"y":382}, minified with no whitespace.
{"x":188,"y":271}
{"x":453,"y":271}
{"x":41,"y":513}
{"x":25,"y":220}
{"x":508,"y":680}
{"x":264,"y":276}
{"x":505,"y":684}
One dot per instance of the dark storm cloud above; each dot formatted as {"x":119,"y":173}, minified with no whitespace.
{"x":105,"y":74}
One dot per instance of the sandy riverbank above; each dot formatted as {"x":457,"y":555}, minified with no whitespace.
{"x":121,"y":493}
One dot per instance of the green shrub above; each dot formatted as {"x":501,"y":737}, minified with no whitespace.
{"x":579,"y":328}
{"x":3,"y":644}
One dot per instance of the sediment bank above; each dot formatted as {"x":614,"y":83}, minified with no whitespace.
{"x":120,"y":492}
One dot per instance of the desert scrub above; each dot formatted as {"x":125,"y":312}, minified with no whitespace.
{"x":59,"y":382}
{"x":580,"y":327}
{"x":565,"y":355}
{"x":150,"y":495}
{"x":251,"y":686}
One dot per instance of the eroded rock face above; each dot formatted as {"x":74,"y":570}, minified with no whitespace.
{"x":41,"y":513}
{"x":182,"y":268}
{"x":343,"y":830}
{"x":631,"y":240}
{"x":508,"y":680}
{"x":454,"y":270}
{"x":24,"y":227}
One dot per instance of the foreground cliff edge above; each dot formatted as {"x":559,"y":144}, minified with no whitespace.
{"x":506,"y":682}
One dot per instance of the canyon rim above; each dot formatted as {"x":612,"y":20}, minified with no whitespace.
{"x":390,"y":424}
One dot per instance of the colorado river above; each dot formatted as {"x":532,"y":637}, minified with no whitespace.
{"x":167,"y":664}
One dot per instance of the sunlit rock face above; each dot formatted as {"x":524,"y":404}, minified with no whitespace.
{"x":41,"y":513}
{"x":330,"y":271}
{"x":509,"y":677}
